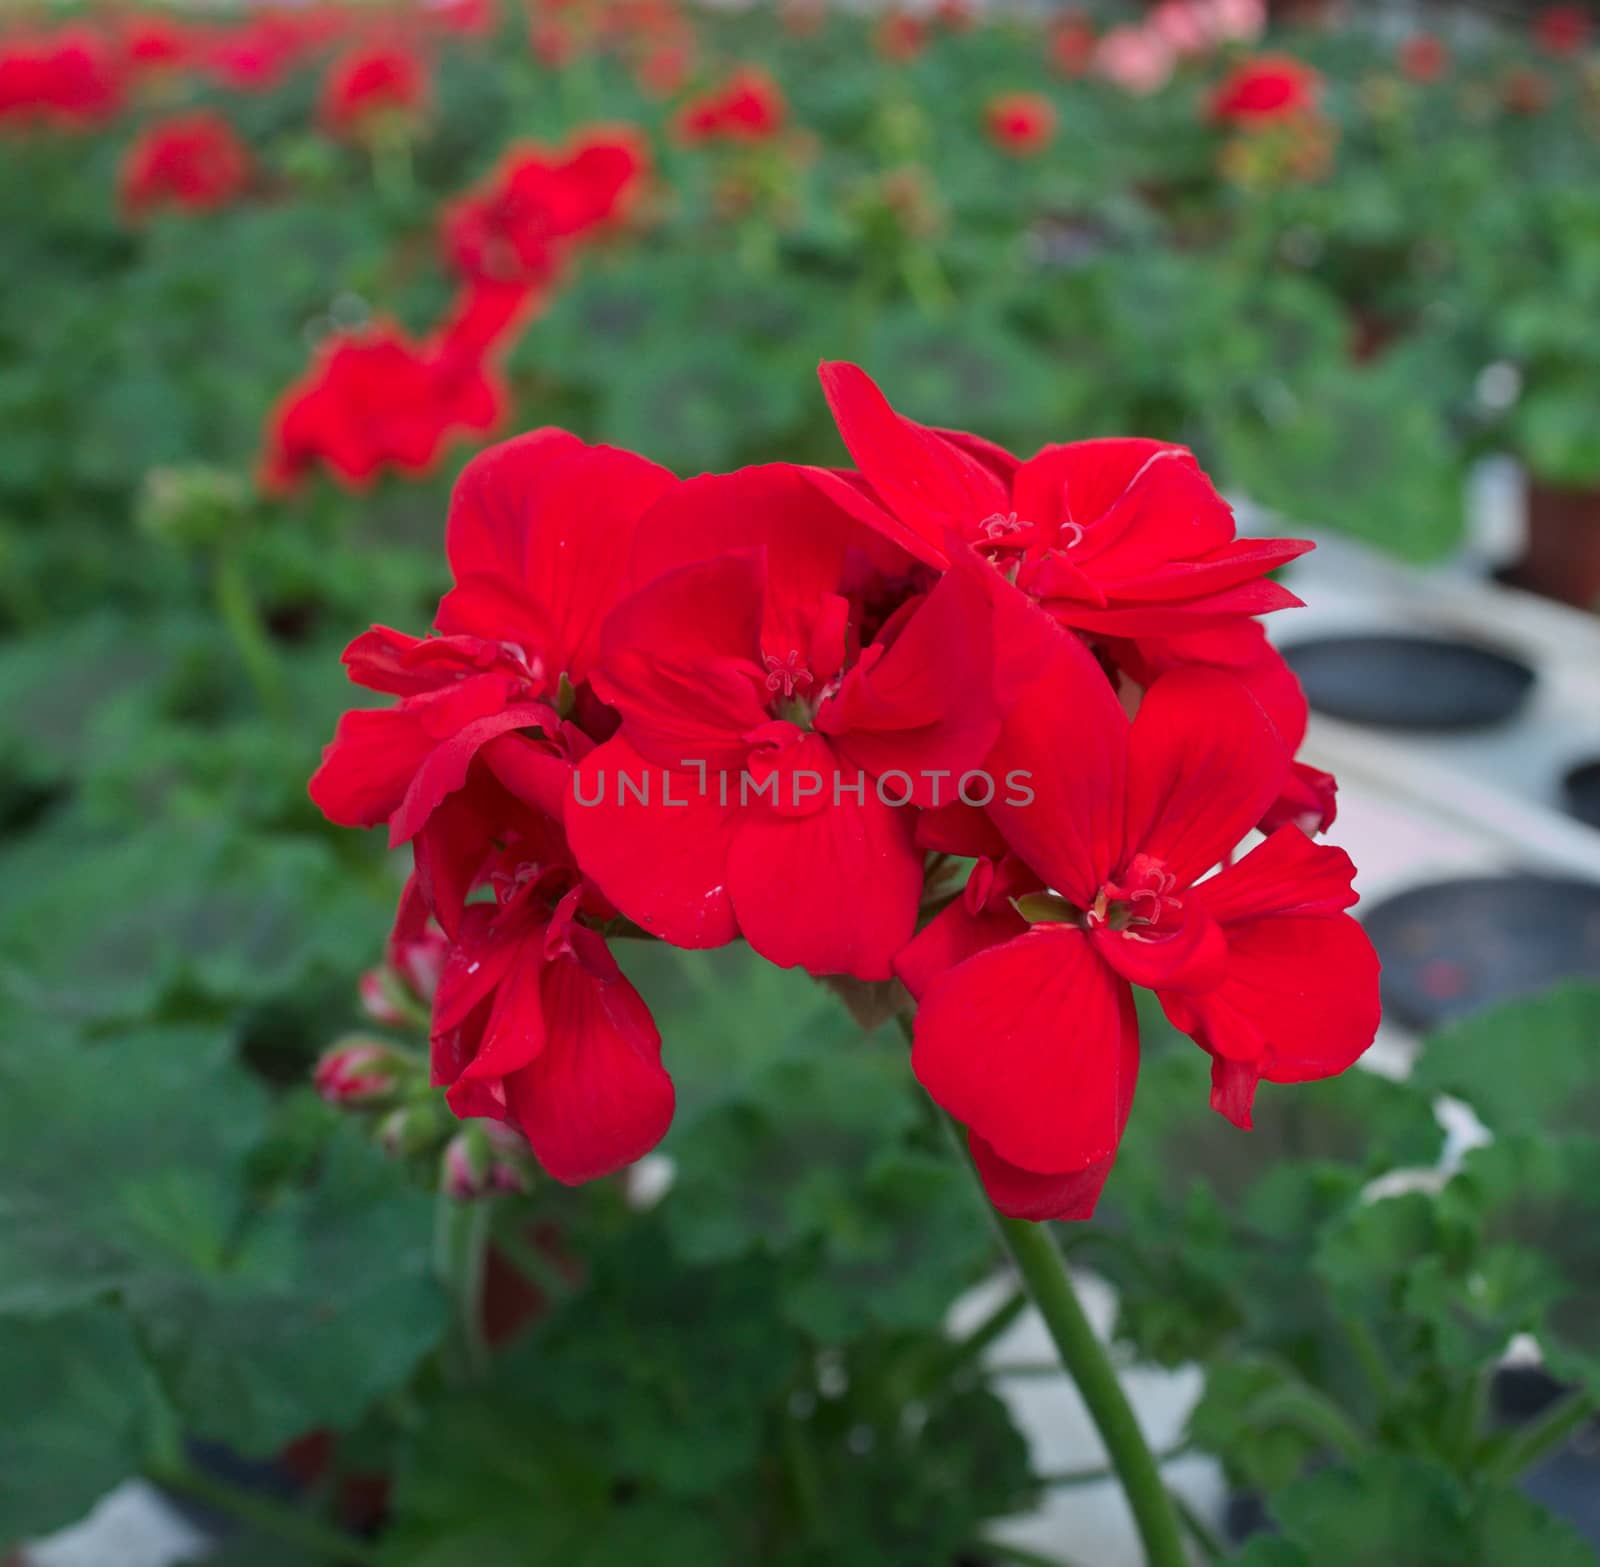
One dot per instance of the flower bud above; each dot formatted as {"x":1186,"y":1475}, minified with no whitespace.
{"x":193,"y":504}
{"x":411,"y":1129}
{"x":485,"y":1157}
{"x":358,"y":1071}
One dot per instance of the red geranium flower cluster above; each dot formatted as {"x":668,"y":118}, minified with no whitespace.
{"x":785,"y":704}
{"x":68,"y":79}
{"x":376,"y":400}
{"x":749,"y":106}
{"x":373,"y":400}
{"x":1266,"y":91}
{"x":374,"y":87}
{"x":1563,"y":29}
{"x":194,"y":161}
{"x":1021,"y":123}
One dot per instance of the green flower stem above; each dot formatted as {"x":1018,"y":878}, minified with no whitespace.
{"x":237,"y":608}
{"x":1542,"y":1436}
{"x":283,"y":1523}
{"x":1043,"y":1270}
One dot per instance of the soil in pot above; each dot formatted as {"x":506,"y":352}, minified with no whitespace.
{"x":1581,"y":789}
{"x":1451,"y":948}
{"x":1395,"y":681}
{"x":1562,"y":557}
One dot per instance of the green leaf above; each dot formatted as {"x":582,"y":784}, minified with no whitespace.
{"x":1531,"y":1065}
{"x":265,"y":1313}
{"x":1241,"y":1417}
{"x":82,"y":1413}
{"x":1391,"y":1508}
{"x":328,"y":1302}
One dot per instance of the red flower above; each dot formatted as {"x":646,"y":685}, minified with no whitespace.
{"x":1020,"y":122}
{"x":376,"y":400}
{"x":538,"y":540}
{"x":153,"y":43}
{"x":749,"y":106}
{"x":69,"y":78}
{"x":1072,"y":44}
{"x":1266,"y":90}
{"x":1562,"y":29}
{"x":1026,"y":1030}
{"x":532,"y":1021}
{"x":520,"y":224}
{"x":1116,"y":538}
{"x":252,"y":56}
{"x":193,"y":161}
{"x":468,"y":18}
{"x":900,"y":36}
{"x":780,"y":726}
{"x":1424,"y":57}
{"x":534,"y":1024}
{"x":372,"y":85}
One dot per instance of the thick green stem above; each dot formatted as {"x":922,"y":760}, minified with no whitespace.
{"x":1543,"y":1436}
{"x":1044,"y":1272}
{"x":461,"y":1243}
{"x":269,"y":1517}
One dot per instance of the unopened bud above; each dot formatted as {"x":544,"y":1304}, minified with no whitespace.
{"x":411,"y":1129}
{"x":193,"y":505}
{"x":359,"y":1071}
{"x":484,"y":1157}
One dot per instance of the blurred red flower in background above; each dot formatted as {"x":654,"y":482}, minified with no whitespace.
{"x":1266,"y":90}
{"x":1424,"y":57}
{"x":900,"y":36}
{"x":516,"y":227}
{"x":375,"y":399}
{"x":371,"y":86}
{"x":749,"y":106}
{"x":193,"y":161}
{"x":70,"y":78}
{"x":1072,"y":44}
{"x":1562,"y":29}
{"x":1020,"y":122}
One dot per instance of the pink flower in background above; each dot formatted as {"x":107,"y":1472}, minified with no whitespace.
{"x":1137,"y":59}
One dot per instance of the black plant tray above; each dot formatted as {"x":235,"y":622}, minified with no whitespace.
{"x":1450,"y":948}
{"x":1392,"y":681}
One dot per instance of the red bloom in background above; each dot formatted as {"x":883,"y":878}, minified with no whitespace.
{"x":372,"y":85}
{"x":252,"y":56}
{"x":1265,"y":91}
{"x":1562,"y":29}
{"x":1072,"y":44}
{"x":768,"y":666}
{"x":749,"y":106}
{"x":1021,"y":122}
{"x":1026,"y":1030}
{"x":900,"y":36}
{"x":1116,"y":538}
{"x":152,"y":44}
{"x":195,"y":162}
{"x":468,"y":18}
{"x":1424,"y":57}
{"x":70,"y":78}
{"x":377,"y":400}
{"x":517,"y":227}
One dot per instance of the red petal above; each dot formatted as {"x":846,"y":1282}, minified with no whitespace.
{"x":926,"y":705}
{"x":927,"y":482}
{"x":1286,"y":874}
{"x":680,"y":661}
{"x":808,"y":539}
{"x":555,"y":517}
{"x":596,"y":1097}
{"x":835,"y":891}
{"x":368,"y":765}
{"x":1204,"y":762}
{"x":1300,"y":1000}
{"x":662,"y":865}
{"x":445,"y":768}
{"x":970,"y":924}
{"x":1065,"y":739}
{"x":1026,"y":1045}
{"x":1020,"y":1194}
